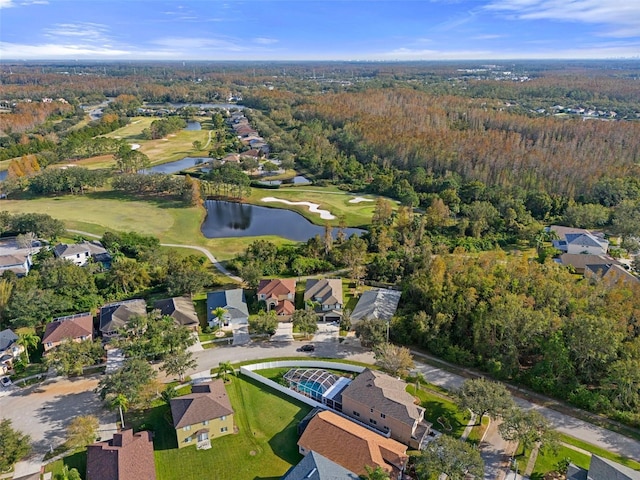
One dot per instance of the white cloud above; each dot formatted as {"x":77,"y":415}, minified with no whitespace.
{"x":7,"y":4}
{"x":265,"y":41}
{"x":488,"y":36}
{"x":622,"y":17}
{"x":90,"y":32}
{"x":187,"y":44}
{"x":52,"y":50}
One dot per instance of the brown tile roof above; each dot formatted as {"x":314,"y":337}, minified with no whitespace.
{"x":277,"y":287}
{"x":12,"y":260}
{"x":285,"y":307}
{"x":351,"y":445}
{"x":580,"y":260}
{"x":125,"y":457}
{"x":180,"y":308}
{"x":384,"y":394}
{"x":205,"y":402}
{"x":73,"y":327}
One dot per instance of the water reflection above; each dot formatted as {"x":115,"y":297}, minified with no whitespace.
{"x":231,"y":219}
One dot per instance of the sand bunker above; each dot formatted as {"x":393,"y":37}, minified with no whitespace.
{"x":360,"y":199}
{"x":135,"y":146}
{"x":313,"y":207}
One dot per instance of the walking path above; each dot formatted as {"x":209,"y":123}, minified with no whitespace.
{"x":203,"y":250}
{"x":469,"y":427}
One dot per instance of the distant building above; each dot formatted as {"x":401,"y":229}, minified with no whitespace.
{"x":611,"y":275}
{"x":127,"y":456}
{"x":279,"y":295}
{"x":17,"y":263}
{"x":325,"y":297}
{"x":318,"y":467}
{"x":81,"y":253}
{"x":579,"y":240}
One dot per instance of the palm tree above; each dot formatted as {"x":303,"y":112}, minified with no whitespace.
{"x":28,"y":340}
{"x":224,"y":369}
{"x":219,"y":313}
{"x":122,"y":403}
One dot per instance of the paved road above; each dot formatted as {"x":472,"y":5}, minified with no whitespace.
{"x":495,"y":452}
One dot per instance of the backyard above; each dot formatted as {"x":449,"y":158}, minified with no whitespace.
{"x":264,"y":444}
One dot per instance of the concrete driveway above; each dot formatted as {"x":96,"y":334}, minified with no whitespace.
{"x":327,"y":332}
{"x":284,"y":333}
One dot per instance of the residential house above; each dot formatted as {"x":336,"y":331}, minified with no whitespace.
{"x":9,"y":349}
{"x":234,"y":304}
{"x":325,"y":297}
{"x":181,"y":309}
{"x":578,"y":240}
{"x":127,"y":456}
{"x":318,"y":467}
{"x":81,"y":253}
{"x":115,"y":316}
{"x":77,"y":328}
{"x":279,"y":295}
{"x":202,"y":415}
{"x":602,"y":469}
{"x":611,"y":275}
{"x":351,"y":445}
{"x":580,"y":260}
{"x":376,"y":304}
{"x":382,"y":402}
{"x":16,"y":263}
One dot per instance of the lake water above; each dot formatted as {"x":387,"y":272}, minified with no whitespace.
{"x":231,"y":219}
{"x":193,"y":126}
{"x":178,"y":165}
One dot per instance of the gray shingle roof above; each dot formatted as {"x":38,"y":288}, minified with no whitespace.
{"x":114,"y":316}
{"x":233,"y":301}
{"x":327,"y":290}
{"x":583,"y":239}
{"x":180,"y":308}
{"x":379,"y":303}
{"x":603,"y":469}
{"x":7,"y":338}
{"x":317,"y":467}
{"x":384,"y":394}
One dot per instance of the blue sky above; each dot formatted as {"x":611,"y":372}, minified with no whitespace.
{"x":318,"y":30}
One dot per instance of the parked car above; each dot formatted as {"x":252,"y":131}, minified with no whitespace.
{"x":307,"y":348}
{"x":5,"y":381}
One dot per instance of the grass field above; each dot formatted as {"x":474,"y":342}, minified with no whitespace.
{"x":600,"y":452}
{"x":438,"y":408}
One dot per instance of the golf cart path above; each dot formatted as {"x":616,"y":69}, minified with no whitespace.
{"x":203,"y":250}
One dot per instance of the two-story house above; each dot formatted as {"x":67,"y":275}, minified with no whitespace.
{"x":279,"y":295}
{"x":77,"y":328}
{"x":115,"y":316}
{"x":202,"y":415}
{"x":325,"y":297}
{"x":381,"y":402}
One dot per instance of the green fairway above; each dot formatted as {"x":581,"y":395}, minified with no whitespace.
{"x":265,"y":443}
{"x":329,"y":198}
{"x":173,"y":147}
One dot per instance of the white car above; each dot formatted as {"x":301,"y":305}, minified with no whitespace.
{"x":5,"y":381}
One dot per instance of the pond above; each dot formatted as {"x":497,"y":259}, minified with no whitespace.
{"x":177,"y":165}
{"x":193,"y":126}
{"x":231,"y":219}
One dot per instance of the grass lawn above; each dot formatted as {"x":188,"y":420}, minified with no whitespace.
{"x":438,"y":408}
{"x":77,"y":460}
{"x":265,"y":443}
{"x":600,"y":452}
{"x":548,"y":462}
{"x":477,"y":432}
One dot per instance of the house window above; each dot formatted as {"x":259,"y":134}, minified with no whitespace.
{"x":187,"y":440}
{"x":187,"y":428}
{"x":224,"y":429}
{"x":49,"y":344}
{"x":356,"y":414}
{"x":78,"y":255}
{"x":382,"y":415}
{"x":206,"y":422}
{"x":371,"y":420}
{"x":223,"y":418}
{"x":372,"y":410}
